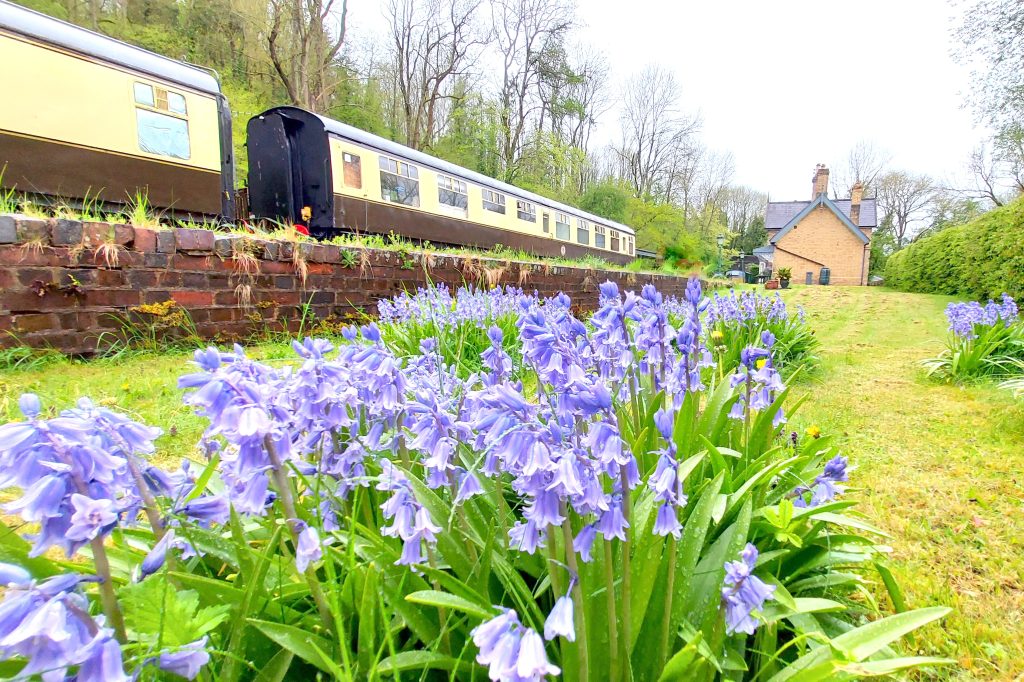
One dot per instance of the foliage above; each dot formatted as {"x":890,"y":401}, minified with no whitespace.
{"x":978,"y":260}
{"x":785,"y":273}
{"x":983,"y":341}
{"x":376,"y":465}
{"x":607,"y":199}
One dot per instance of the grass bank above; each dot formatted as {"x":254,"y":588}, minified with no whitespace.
{"x":940,"y":468}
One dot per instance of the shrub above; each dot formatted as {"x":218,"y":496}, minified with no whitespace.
{"x":978,"y":260}
{"x":362,"y":515}
{"x":983,"y":341}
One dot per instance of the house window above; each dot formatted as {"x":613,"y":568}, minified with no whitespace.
{"x":452,"y":192}
{"x":526,"y":211}
{"x":353,"y":170}
{"x":399,"y":182}
{"x":493,"y":201}
{"x":615,"y":241}
{"x":599,"y":231}
{"x":562,"y":226}
{"x":582,"y":231}
{"x":161,"y":121}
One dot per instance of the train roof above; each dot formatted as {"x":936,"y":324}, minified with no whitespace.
{"x":32,"y":24}
{"x":385,"y":145}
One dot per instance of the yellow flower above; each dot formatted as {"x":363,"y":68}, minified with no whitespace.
{"x":125,"y":386}
{"x":762,"y":362}
{"x":813,"y":431}
{"x":717,"y":335}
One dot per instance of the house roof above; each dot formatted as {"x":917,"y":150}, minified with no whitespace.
{"x":820,"y":200}
{"x":780,"y":213}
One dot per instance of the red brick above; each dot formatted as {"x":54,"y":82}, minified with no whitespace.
{"x":193,"y":299}
{"x":113,"y":298}
{"x":194,"y":240}
{"x":145,"y":239}
{"x":35,"y":322}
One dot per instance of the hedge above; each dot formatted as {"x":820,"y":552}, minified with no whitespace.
{"x":978,"y":260}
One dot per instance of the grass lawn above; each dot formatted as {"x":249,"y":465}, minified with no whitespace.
{"x":938,"y":467}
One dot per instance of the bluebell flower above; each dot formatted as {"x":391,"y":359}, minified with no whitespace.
{"x":90,"y":517}
{"x":560,"y":622}
{"x":825,"y":486}
{"x":512,"y":652}
{"x":743,"y":593}
{"x":187,"y":661}
{"x":309,"y":549}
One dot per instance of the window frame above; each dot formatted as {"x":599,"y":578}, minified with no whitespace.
{"x":157,"y":107}
{"x":404,"y":173}
{"x":355,"y":162}
{"x":566,"y":224}
{"x":490,"y":204}
{"x":453,"y":186}
{"x":527,"y":208}
{"x":613,"y":239}
{"x":599,"y":236}
{"x":582,"y":232}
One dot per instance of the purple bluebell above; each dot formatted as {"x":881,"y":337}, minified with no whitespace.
{"x":187,"y":661}
{"x":309,"y":549}
{"x":511,"y":652}
{"x":825,"y":486}
{"x":560,"y":622}
{"x":743,"y":593}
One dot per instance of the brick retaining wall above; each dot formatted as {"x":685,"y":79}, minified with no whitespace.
{"x":72,"y":286}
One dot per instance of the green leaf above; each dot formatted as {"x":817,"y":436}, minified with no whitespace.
{"x":276,"y":668}
{"x":849,"y":522}
{"x":682,"y":665}
{"x":421,"y":660}
{"x":307,"y":646}
{"x":156,"y":612}
{"x":444,"y":600}
{"x":871,"y":638}
{"x":892,"y":587}
{"x":890,"y":665}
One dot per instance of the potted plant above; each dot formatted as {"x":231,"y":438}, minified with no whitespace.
{"x":785,"y":274}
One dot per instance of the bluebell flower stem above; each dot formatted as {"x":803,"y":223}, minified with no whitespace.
{"x":441,"y":611}
{"x":627,"y":578}
{"x":110,"y":606}
{"x":666,"y":626}
{"x":613,"y":622}
{"x":577,"y":595}
{"x":148,"y":501}
{"x":284,"y":490}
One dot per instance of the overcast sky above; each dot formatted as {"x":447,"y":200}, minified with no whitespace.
{"x":787,"y":84}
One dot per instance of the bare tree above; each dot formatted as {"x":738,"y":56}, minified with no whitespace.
{"x":864,"y":163}
{"x":524,"y":31}
{"x":742,"y":206}
{"x":434,"y":43}
{"x":304,"y":41}
{"x":656,"y":134}
{"x":984,"y":166}
{"x":905,"y":199}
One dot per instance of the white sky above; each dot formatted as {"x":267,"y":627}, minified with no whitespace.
{"x":786,"y":84}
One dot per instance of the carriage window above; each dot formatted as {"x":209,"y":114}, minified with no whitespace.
{"x":353,"y":170}
{"x":526,"y":211}
{"x":144,"y":95}
{"x":160,"y":118}
{"x":452,"y":192}
{"x":615,"y":241}
{"x":162,"y":134}
{"x":599,"y":236}
{"x":630,"y":245}
{"x":494,"y":201}
{"x":582,"y":231}
{"x":399,"y":182}
{"x":176,"y":103}
{"x":562,"y":226}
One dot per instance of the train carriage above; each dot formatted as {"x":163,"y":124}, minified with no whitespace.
{"x":333,"y":178}
{"x":87,"y":116}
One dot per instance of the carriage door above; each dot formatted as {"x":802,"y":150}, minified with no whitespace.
{"x":547,"y":229}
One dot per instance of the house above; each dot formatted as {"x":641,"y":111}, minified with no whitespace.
{"x":807,"y":236}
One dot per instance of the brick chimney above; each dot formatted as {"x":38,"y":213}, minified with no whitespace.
{"x":856,"y":194}
{"x":820,"y":181}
